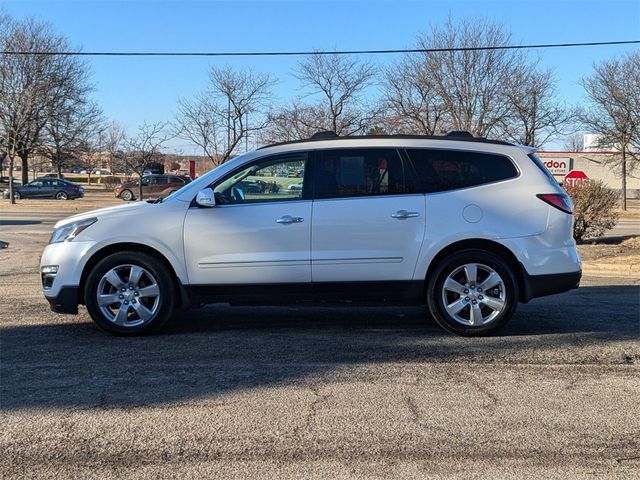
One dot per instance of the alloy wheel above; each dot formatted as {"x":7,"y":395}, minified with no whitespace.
{"x":128,"y":295}
{"x":474,"y":294}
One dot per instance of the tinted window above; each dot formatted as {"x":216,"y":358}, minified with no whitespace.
{"x":358,"y":172}
{"x":438,"y":170}
{"x":174,"y":179}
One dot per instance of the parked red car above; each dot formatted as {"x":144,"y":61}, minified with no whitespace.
{"x":153,"y":186}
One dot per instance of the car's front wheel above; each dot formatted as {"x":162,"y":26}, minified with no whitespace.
{"x":129,"y":293}
{"x":472,"y":293}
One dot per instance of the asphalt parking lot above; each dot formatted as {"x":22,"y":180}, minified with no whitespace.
{"x":351,"y":392}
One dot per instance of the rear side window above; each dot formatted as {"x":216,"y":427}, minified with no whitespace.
{"x":439,"y":170}
{"x":541,"y":166}
{"x":358,"y":172}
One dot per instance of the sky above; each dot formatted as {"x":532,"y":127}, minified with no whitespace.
{"x":133,"y":90}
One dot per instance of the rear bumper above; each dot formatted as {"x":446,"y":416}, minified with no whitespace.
{"x":542,"y":285}
{"x":66,"y":301}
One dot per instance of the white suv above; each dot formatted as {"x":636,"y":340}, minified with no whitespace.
{"x":467,"y":226}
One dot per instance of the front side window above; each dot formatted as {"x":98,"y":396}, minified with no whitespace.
{"x":440,"y":170}
{"x":278,"y":178}
{"x":358,"y":172}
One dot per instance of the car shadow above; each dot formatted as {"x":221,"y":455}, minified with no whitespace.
{"x":219,"y":349}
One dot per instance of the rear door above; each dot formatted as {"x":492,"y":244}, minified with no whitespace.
{"x":161,"y":182}
{"x":366,"y":227}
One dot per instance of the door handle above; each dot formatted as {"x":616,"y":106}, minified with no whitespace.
{"x":289,"y":219}
{"x":400,"y":214}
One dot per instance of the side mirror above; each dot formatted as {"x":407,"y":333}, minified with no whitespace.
{"x":206,"y":198}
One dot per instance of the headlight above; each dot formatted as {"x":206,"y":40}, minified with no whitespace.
{"x":68,"y":232}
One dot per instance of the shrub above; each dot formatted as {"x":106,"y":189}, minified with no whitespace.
{"x":594,"y":209}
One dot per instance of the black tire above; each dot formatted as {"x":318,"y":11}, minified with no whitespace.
{"x":155,"y":271}
{"x":126,"y":195}
{"x":506,"y":292}
{"x":62,"y":196}
{"x":17,"y":196}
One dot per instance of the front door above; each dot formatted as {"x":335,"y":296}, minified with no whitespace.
{"x":259,"y":232}
{"x":366,"y":226}
{"x":34,"y":189}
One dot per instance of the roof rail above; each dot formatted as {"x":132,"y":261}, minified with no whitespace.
{"x":458,"y":136}
{"x":324,"y":134}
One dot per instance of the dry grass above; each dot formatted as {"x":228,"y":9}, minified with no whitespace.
{"x":93,"y":199}
{"x":625,"y":251}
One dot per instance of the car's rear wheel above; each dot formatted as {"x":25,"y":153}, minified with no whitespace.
{"x":62,"y":196}
{"x":126,"y":195}
{"x":472,"y":293}
{"x":17,"y":195}
{"x":129,"y":293}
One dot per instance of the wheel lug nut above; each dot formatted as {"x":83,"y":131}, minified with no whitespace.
{"x":124,"y":289}
{"x":466,"y":299}
{"x":120,"y":296}
{"x":466,"y":290}
{"x":130,"y":287}
{"x":136,"y":294}
{"x":479,"y":289}
{"x":126,"y":302}
{"x":480,"y":297}
{"x":474,"y":302}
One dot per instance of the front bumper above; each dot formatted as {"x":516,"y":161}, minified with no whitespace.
{"x":62,"y":288}
{"x":66,"y":301}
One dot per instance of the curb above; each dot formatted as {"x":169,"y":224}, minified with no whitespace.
{"x":611,"y":270}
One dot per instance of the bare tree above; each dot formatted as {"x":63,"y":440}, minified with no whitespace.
{"x":613,"y":112}
{"x":33,"y":87}
{"x":226,"y":114}
{"x":340,"y":81}
{"x":412,"y":99}
{"x":294,"y":122}
{"x":69,"y":132}
{"x":574,"y":142}
{"x":535,"y":115}
{"x":145,"y":149}
{"x":112,"y":139}
{"x":471,"y":83}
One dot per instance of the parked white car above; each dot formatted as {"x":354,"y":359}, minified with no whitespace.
{"x":467,"y":226}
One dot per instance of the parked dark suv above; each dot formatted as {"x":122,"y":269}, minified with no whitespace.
{"x":47,"y":188}
{"x":153,"y":186}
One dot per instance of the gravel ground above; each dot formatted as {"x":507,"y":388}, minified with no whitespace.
{"x":351,"y":392}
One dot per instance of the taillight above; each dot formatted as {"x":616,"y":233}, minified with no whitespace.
{"x":559,"y":200}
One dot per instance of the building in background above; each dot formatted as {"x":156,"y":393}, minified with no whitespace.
{"x":594,"y":161}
